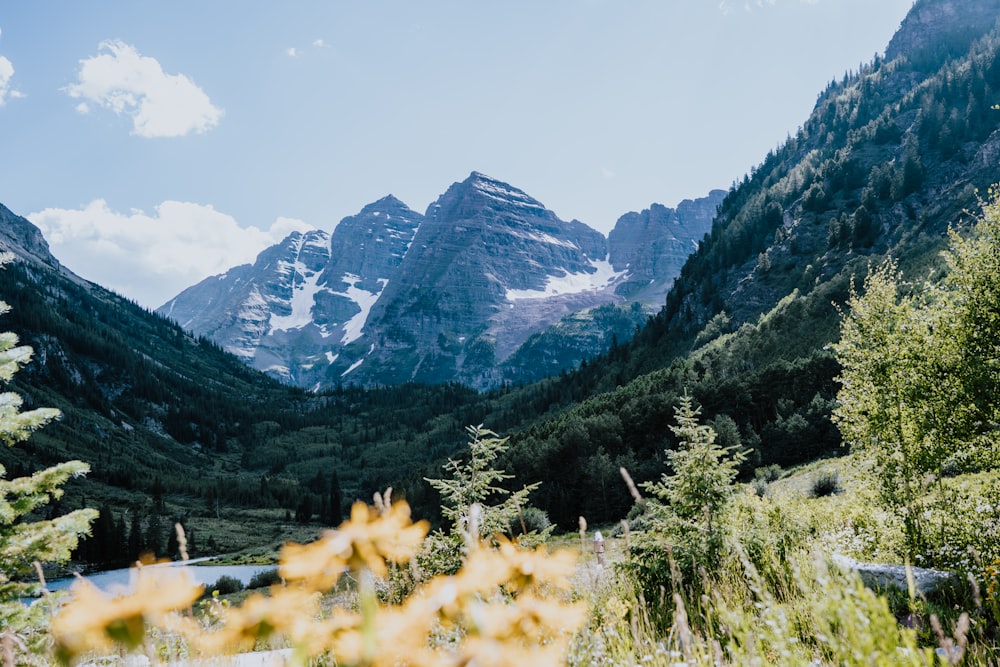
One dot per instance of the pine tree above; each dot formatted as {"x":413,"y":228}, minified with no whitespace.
{"x":336,"y":503}
{"x":24,"y":539}
{"x":689,"y":504}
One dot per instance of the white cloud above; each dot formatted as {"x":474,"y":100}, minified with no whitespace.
{"x":297,"y":52}
{"x":152,"y":257}
{"x":6,"y":74}
{"x":128,"y":83}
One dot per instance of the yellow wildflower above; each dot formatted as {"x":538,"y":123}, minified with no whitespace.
{"x":366,"y":540}
{"x":288,"y":612}
{"x":93,"y":620}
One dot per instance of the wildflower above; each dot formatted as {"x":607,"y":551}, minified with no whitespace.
{"x":94,"y":620}
{"x":366,"y":540}
{"x":288,"y":611}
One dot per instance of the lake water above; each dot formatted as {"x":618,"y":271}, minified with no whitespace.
{"x":117,"y":580}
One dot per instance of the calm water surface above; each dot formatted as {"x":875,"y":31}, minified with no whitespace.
{"x":118,"y":580}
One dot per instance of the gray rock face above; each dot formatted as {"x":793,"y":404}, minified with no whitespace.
{"x":489,"y":266}
{"x":942,"y":24}
{"x":22,"y":239}
{"x":653,"y":245}
{"x":393,"y":296}
{"x":261,"y":312}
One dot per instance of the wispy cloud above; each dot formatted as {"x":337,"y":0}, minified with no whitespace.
{"x":726,"y":6}
{"x":6,"y":74}
{"x":152,"y":257}
{"x":296,"y":52}
{"x":130,"y":84}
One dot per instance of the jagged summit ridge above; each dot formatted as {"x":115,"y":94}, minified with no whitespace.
{"x":942,"y":25}
{"x":393,"y":296}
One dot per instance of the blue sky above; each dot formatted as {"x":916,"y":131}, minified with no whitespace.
{"x":157,"y":143}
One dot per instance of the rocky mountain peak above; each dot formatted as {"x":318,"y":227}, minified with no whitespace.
{"x":478,"y":192}
{"x":393,"y":296}
{"x":652,"y":245}
{"x":23,"y":239}
{"x":942,"y":24}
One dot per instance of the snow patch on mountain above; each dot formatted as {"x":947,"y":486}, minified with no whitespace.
{"x":571,"y":283}
{"x":542,"y":237}
{"x":365,"y":300}
{"x":302,"y":301}
{"x":502,"y":192}
{"x":357,"y":363}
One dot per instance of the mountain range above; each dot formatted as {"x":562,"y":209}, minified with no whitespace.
{"x":451,"y":295}
{"x":891,"y":158}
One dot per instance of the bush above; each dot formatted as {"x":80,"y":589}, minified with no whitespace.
{"x":769,"y":473}
{"x":264,"y":579}
{"x":825,"y":484}
{"x":226,"y":585}
{"x":535,"y":521}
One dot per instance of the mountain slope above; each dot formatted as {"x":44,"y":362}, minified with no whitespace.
{"x":489,"y":266}
{"x":889,"y":159}
{"x":177,"y":429}
{"x":305,"y":299}
{"x":450,"y":296}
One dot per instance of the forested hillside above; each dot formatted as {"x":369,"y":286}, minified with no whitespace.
{"x":891,"y":157}
{"x":173,"y":427}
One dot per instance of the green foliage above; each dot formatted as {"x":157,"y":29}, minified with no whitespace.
{"x":264,"y":579}
{"x":687,"y":529}
{"x":26,"y":539}
{"x":477,"y":506}
{"x":920,"y":372}
{"x":768,"y":473}
{"x":826,"y":483}
{"x":224,"y":585}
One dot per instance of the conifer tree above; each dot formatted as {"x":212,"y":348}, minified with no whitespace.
{"x":24,"y":538}
{"x":336,"y":504}
{"x":692,"y":499}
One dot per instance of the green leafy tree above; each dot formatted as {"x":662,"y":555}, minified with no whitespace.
{"x":887,"y":380}
{"x":24,"y":537}
{"x":919,"y":373}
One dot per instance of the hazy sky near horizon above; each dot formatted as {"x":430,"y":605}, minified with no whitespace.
{"x":156,"y":144}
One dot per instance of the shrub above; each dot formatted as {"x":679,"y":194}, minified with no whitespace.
{"x":264,"y":578}
{"x":825,"y":484}
{"x":769,"y":473}
{"x":226,"y":585}
{"x":535,"y":521}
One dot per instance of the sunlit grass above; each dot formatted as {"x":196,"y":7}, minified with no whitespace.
{"x":773,"y":599}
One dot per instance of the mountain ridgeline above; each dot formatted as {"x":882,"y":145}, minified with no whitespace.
{"x":891,"y":157}
{"x":393,"y":296}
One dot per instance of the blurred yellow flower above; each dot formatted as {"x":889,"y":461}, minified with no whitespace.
{"x":94,"y":620}
{"x":366,"y":540}
{"x":287,"y":611}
